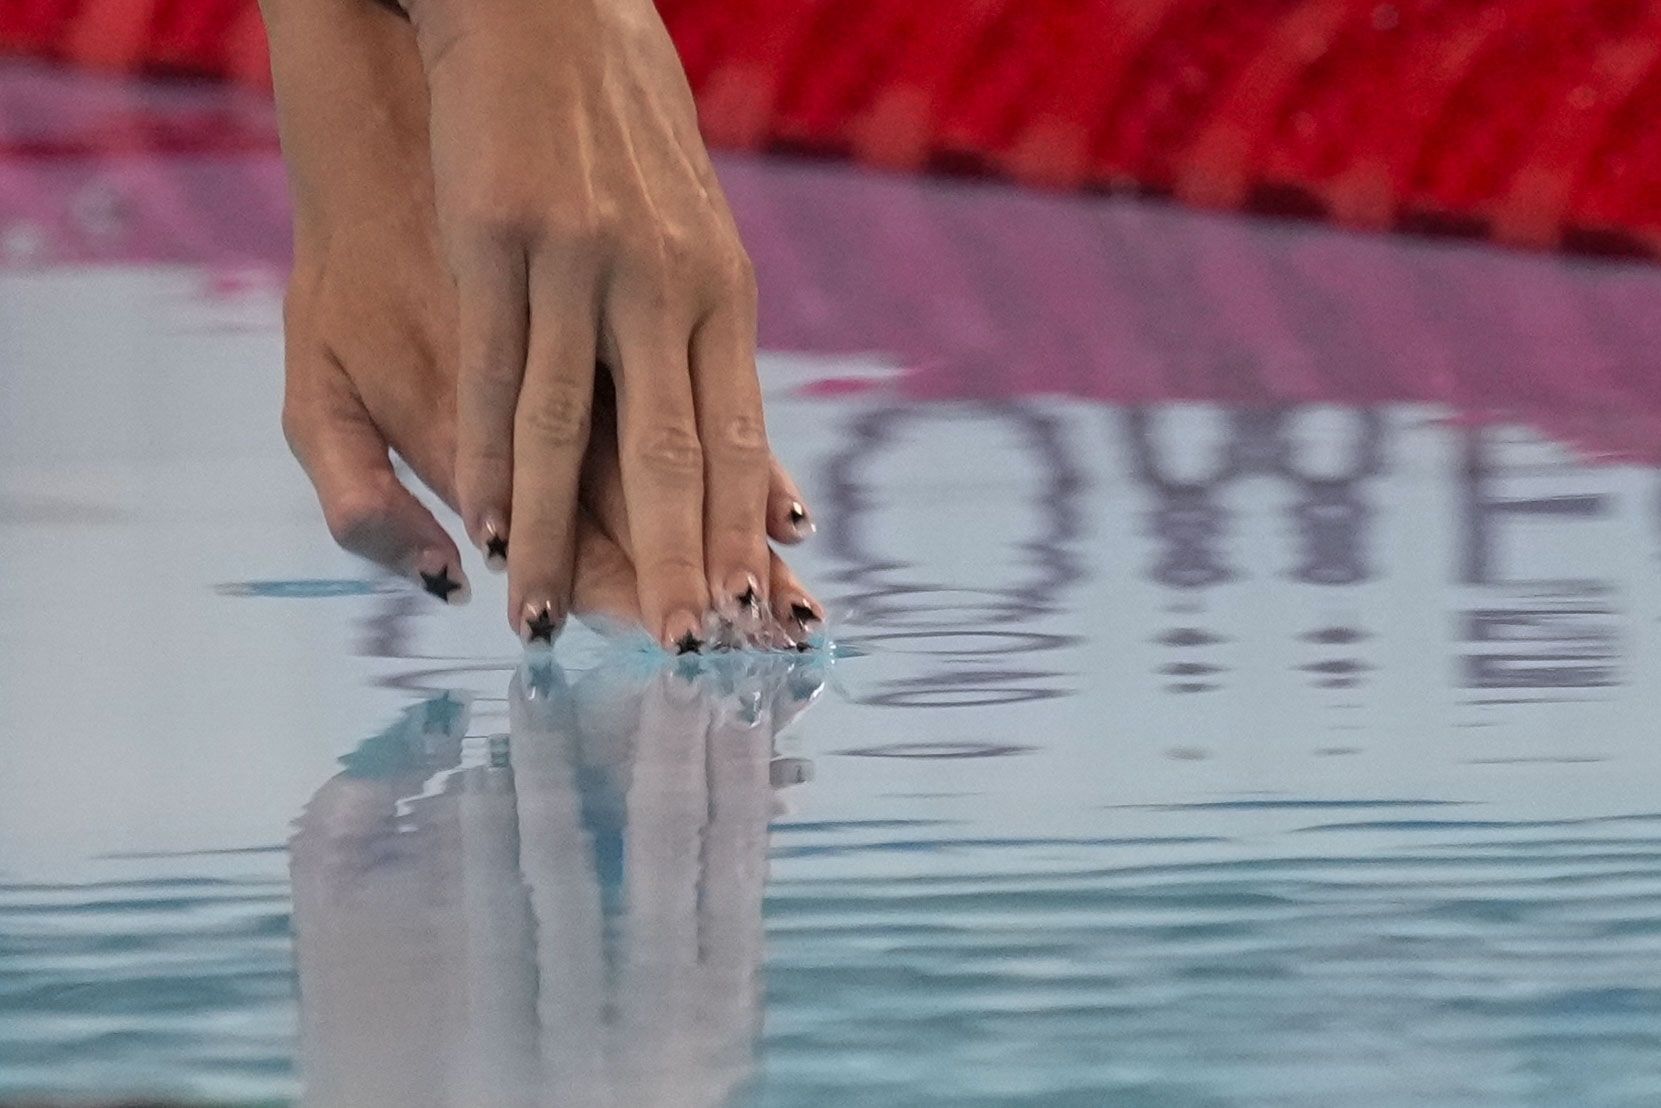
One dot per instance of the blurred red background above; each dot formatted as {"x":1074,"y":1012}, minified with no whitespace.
{"x":1528,"y":121}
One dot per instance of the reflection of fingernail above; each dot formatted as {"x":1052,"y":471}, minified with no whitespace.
{"x":495,"y":543}
{"x":539,"y":625}
{"x":784,"y":772}
{"x":682,"y":634}
{"x":441,"y":579}
{"x":799,"y":522}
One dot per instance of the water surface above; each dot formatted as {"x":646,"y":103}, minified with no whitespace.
{"x":1243,"y":697}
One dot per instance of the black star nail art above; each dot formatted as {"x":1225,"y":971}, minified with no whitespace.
{"x":797,"y":514}
{"x":541,"y":627}
{"x":688,"y":644}
{"x":496,"y":548}
{"x":803,"y":614}
{"x":749,"y":600}
{"x":440,"y":584}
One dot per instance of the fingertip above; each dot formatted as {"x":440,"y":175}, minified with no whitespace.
{"x":800,"y":615}
{"x":491,"y":538}
{"x":684,"y":633}
{"x":788,"y":519}
{"x":538,"y":623}
{"x":439,"y":573}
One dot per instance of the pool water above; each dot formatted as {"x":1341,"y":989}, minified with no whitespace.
{"x":1236,"y":694}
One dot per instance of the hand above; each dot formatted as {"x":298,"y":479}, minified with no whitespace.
{"x":583,"y":221}
{"x":369,"y":318}
{"x":370,"y":324}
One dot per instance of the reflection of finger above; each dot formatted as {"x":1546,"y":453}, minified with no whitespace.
{"x":668,"y":803}
{"x":608,"y":719}
{"x":737,"y":464}
{"x":663,"y":474}
{"x":788,"y":520}
{"x":378,"y":974}
{"x":497,"y":1041}
{"x":796,"y":691}
{"x":550,"y":439}
{"x":557,"y":860}
{"x":735,"y":871}
{"x":491,"y":288}
{"x":793,"y":606}
{"x":368,"y":510}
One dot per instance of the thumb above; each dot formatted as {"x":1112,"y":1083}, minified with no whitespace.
{"x":368,"y":510}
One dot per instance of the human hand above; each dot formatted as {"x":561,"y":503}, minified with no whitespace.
{"x":371,"y":318}
{"x":583,"y":222}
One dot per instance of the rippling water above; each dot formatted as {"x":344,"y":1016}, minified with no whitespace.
{"x":181,"y":984}
{"x":1418,"y":959}
{"x":1242,"y":692}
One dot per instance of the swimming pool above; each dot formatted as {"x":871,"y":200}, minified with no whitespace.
{"x":1237,"y":697}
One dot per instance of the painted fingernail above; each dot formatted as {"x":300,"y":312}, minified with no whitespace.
{"x":495,"y":544}
{"x":806,"y":614}
{"x":442,"y":580}
{"x":539,"y":625}
{"x":743,"y":605}
{"x":799,"y":521}
{"x":684,"y":634}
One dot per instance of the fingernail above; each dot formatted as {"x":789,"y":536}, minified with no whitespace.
{"x":495,"y":544}
{"x":784,"y":772}
{"x":683,"y":634}
{"x":442,"y":580}
{"x":539,"y":625}
{"x":808,"y":618}
{"x":806,"y":614}
{"x":743,"y":604}
{"x":799,"y":521}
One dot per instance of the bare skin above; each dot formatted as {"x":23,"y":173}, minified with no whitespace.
{"x":583,"y":222}
{"x":372,"y":322}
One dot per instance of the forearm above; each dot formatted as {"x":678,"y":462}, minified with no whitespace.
{"x":352,"y":107}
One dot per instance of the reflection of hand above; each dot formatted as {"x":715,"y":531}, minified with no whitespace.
{"x":575,"y":919}
{"x":583,"y":221}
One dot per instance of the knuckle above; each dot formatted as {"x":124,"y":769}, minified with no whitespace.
{"x":495,"y":212}
{"x":671,"y":454}
{"x":358,"y":520}
{"x":740,"y":439}
{"x":664,"y":258}
{"x":738,"y":276}
{"x":558,"y":418}
{"x":582,"y":236}
{"x":294,"y":425}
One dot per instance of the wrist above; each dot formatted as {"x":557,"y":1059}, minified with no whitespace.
{"x":351,"y":110}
